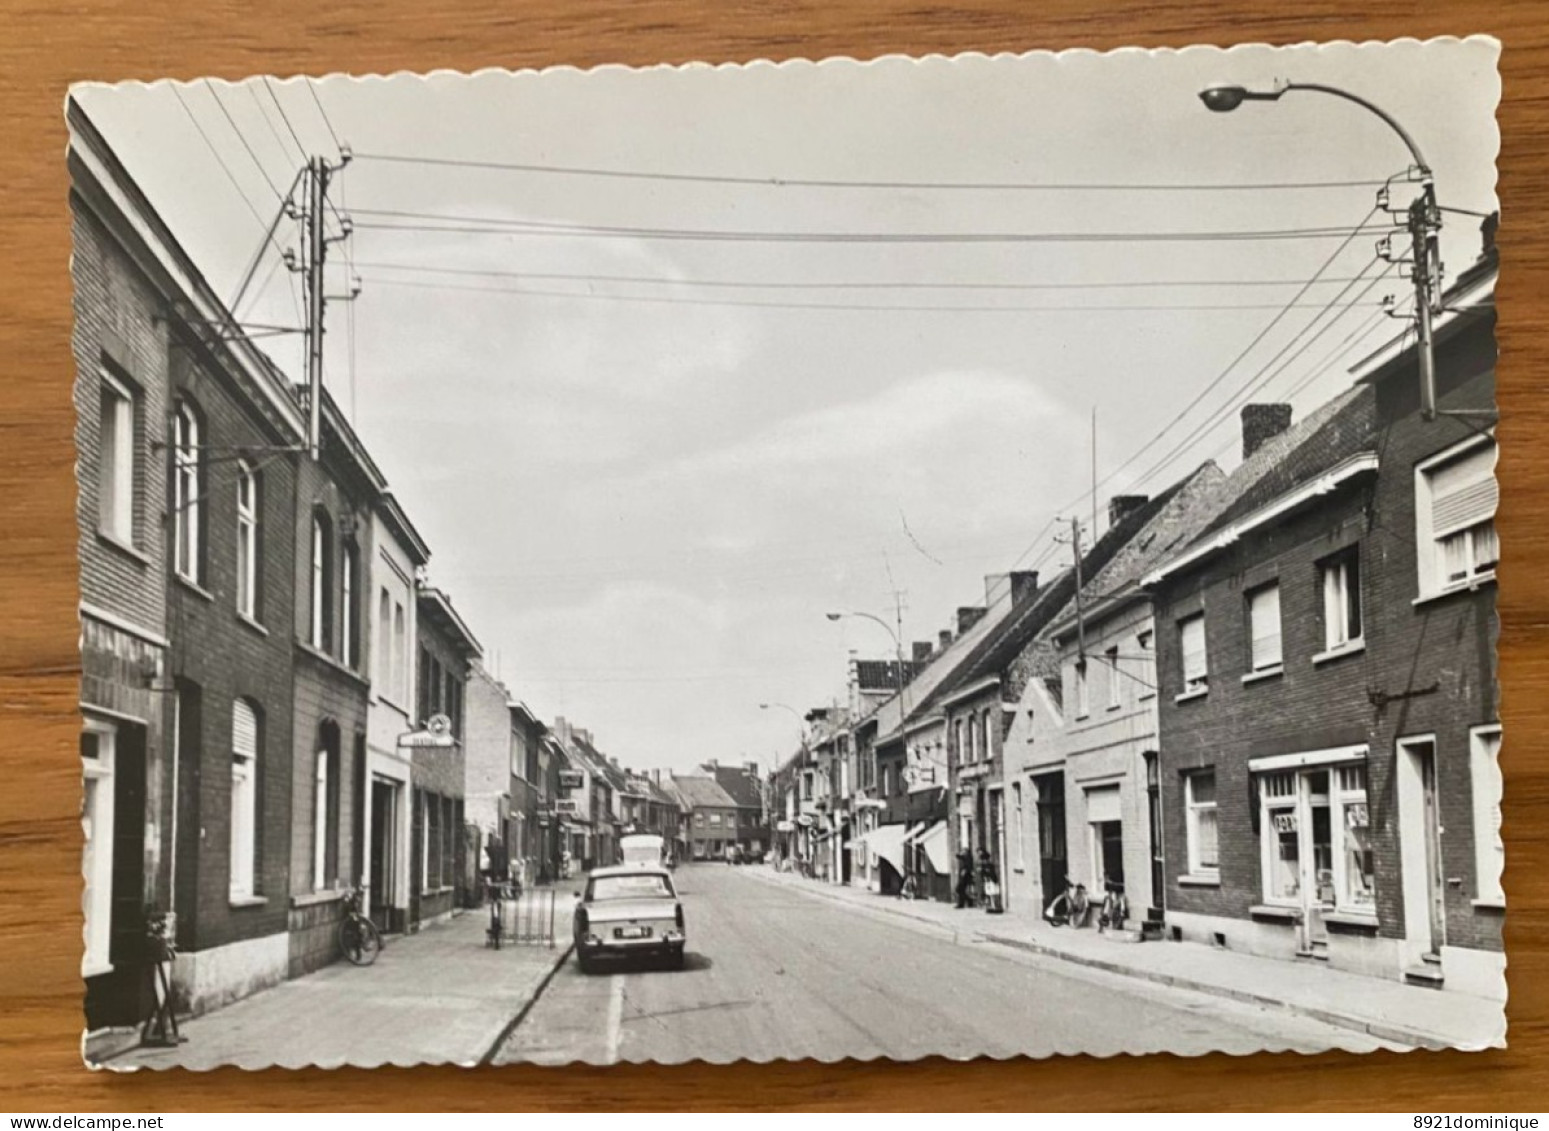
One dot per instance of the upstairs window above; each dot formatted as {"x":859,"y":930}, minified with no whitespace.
{"x":1264,"y":628}
{"x":1341,"y":578}
{"x":1079,"y":686}
{"x":349,"y":626}
{"x":1456,"y":497}
{"x":1145,"y":665}
{"x":1111,"y":674}
{"x":321,"y":634}
{"x":1191,"y":637}
{"x":187,"y":505}
{"x":117,"y":456}
{"x":247,"y":541}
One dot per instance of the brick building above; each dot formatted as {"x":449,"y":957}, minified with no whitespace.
{"x":331,"y":661}
{"x":524,"y":834}
{"x":127,"y":270}
{"x":444,"y":856}
{"x":712,"y":816}
{"x":742,"y":784}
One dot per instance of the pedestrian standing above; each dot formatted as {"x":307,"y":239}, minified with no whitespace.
{"x":965,"y":877}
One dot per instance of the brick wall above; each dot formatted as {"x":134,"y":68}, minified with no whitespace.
{"x":117,"y":327}
{"x":489,"y":732}
{"x":1308,"y":707}
{"x":226,"y":657}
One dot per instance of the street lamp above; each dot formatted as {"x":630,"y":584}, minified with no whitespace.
{"x":1424,"y":217}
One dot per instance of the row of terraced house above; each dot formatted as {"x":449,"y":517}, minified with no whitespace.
{"x":279,"y":706}
{"x":1261,"y":703}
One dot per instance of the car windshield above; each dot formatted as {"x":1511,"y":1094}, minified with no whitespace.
{"x":649,"y":885}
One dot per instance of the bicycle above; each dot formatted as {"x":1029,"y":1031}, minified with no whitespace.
{"x":1115,"y":908}
{"x":1070,"y":908}
{"x":359,"y":938}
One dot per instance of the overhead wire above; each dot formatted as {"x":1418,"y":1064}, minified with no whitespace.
{"x":284,"y":117}
{"x":800,"y":182}
{"x":242,"y":137}
{"x":322,"y":113}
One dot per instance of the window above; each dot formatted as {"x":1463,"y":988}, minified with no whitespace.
{"x":1191,"y":635}
{"x":1083,"y":707}
{"x":1485,"y":781}
{"x":1145,"y":665}
{"x":321,"y":634}
{"x":384,"y":648}
{"x":699,"y":820}
{"x":1264,"y":628}
{"x":1455,"y":517}
{"x":187,"y":506}
{"x":1016,"y":818}
{"x":116,"y":471}
{"x":1115,"y":692}
{"x":247,"y":541}
{"x":428,"y":684}
{"x":97,"y":748}
{"x":431,"y":806}
{"x":349,"y":629}
{"x":1282,"y":857}
{"x":1342,"y":599}
{"x":320,"y":823}
{"x":1355,"y":875}
{"x":1199,"y":797}
{"x":989,"y":736}
{"x":715,"y":820}
{"x":244,"y":798}
{"x":400,"y":654}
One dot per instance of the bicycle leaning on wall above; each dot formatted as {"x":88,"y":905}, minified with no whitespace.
{"x":1071,"y":907}
{"x":359,"y":939}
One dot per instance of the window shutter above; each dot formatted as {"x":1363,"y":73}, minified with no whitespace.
{"x":1464,"y":492}
{"x":244,"y":730}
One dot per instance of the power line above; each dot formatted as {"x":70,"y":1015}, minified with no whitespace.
{"x":799,"y":182}
{"x":264,"y":114}
{"x":215,"y":94}
{"x":668,"y":300}
{"x":318,"y":102}
{"x":219,"y":160}
{"x":1241,"y":356}
{"x":1254,"y":383}
{"x":819,"y":285}
{"x":495,"y":225}
{"x":284,"y":117}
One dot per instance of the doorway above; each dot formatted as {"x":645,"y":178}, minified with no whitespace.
{"x":1425,"y":922}
{"x":1052,"y":863}
{"x":384,"y":851}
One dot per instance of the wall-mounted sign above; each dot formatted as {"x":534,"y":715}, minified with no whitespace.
{"x":567,"y":807}
{"x":1285,"y":822}
{"x":571,"y":779}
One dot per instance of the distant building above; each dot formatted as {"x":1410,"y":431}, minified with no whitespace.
{"x":744,"y":786}
{"x":712,"y":816}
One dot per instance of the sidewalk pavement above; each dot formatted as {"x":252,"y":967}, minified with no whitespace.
{"x":1388,"y":1010}
{"x":439,"y":996}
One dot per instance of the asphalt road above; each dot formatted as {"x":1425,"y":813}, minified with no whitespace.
{"x":775,"y":973}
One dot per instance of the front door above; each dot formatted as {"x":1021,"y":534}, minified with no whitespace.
{"x":384,"y":850}
{"x":1052,"y":864}
{"x":1154,"y":820}
{"x":1317,"y":861}
{"x":1435,"y":903}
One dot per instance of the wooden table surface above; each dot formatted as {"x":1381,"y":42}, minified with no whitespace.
{"x":46,"y":45}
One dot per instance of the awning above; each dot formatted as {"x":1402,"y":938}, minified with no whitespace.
{"x":886,"y":841}
{"x":935,"y":844}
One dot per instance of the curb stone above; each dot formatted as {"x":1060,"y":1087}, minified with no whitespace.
{"x":521,"y":1014}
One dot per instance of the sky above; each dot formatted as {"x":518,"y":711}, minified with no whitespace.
{"x":649,"y":459}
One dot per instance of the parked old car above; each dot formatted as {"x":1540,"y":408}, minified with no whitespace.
{"x":632,"y":911}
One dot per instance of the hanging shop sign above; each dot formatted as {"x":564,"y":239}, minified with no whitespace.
{"x":571,"y":779}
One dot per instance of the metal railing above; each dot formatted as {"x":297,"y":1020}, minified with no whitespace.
{"x":521,"y":917}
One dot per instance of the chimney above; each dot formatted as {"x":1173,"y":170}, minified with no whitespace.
{"x":562,"y":728}
{"x":968,"y":616}
{"x":712,"y":765}
{"x":1262,"y":423}
{"x":945,"y":639}
{"x":750,"y":768}
{"x":922,"y":651}
{"x":1121,"y":507}
{"x":1024,"y":583}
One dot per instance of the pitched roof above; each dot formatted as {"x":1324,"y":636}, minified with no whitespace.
{"x":703,"y":793}
{"x":739,"y":785}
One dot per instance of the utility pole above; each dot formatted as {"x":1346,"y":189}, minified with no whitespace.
{"x":1075,"y":544}
{"x":1424,"y":223}
{"x":318,"y":174}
